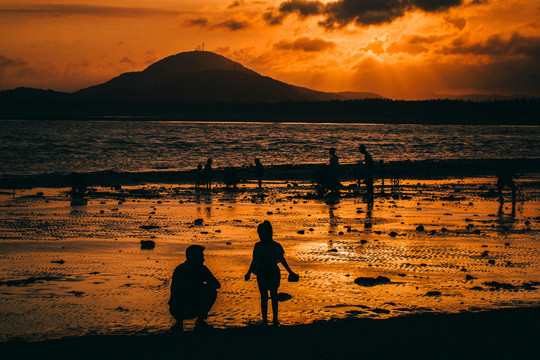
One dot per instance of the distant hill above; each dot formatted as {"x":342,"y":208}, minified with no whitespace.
{"x":205,"y":77}
{"x":203,"y":86}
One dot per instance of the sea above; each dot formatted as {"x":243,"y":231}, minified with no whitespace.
{"x":61,"y":147}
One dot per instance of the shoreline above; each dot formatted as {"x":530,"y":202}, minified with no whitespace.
{"x":501,"y":333}
{"x":423,"y":169}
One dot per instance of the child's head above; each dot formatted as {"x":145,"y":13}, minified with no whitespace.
{"x":332,"y":151}
{"x":265,"y":231}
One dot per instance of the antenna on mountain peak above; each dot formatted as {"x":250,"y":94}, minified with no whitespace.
{"x":199,"y":47}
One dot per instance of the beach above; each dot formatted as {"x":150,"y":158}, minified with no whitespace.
{"x":443,"y":244}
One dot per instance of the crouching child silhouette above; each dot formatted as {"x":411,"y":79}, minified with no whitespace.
{"x":267,"y":254}
{"x":193,"y":290}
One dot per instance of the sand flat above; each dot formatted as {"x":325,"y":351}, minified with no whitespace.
{"x":92,"y":277}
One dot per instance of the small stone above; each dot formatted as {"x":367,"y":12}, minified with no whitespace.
{"x":433,"y":293}
{"x":301,"y":232}
{"x":393,"y":234}
{"x":57,"y":261}
{"x":147,"y":244}
{"x":363,"y":241}
{"x":420,"y":228}
{"x":369,"y":281}
{"x":491,"y":262}
{"x":198,"y":222}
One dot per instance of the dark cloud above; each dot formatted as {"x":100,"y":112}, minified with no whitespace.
{"x":302,"y":8}
{"x":89,"y":10}
{"x":6,"y":62}
{"x":233,"y":25}
{"x":305,"y":44}
{"x":516,"y":45}
{"x":127,"y":61}
{"x":236,"y":4}
{"x":202,"y":22}
{"x":340,"y":13}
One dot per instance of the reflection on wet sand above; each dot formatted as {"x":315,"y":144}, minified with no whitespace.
{"x":69,"y":270}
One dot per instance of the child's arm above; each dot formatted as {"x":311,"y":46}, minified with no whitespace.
{"x":250,"y":270}
{"x":286,"y":266}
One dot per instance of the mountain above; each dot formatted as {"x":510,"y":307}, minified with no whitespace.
{"x":205,"y":77}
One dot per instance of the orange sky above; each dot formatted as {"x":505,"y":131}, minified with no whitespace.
{"x":404,"y":49}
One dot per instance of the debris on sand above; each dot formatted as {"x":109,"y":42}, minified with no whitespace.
{"x":198,"y":222}
{"x":28,"y":281}
{"x":495,"y":285}
{"x":369,"y":281}
{"x":393,"y":234}
{"x":420,"y":228}
{"x":433,"y":293}
{"x":58,"y":261}
{"x":147,"y":245}
{"x":149,"y":227}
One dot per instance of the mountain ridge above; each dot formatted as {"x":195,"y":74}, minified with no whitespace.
{"x":206,"y":77}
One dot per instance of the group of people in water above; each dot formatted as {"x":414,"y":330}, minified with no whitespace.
{"x":194,"y":287}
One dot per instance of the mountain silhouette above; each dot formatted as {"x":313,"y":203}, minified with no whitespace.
{"x":205,"y":77}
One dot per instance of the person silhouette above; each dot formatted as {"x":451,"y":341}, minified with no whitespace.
{"x":208,"y":173}
{"x":260,"y":171}
{"x":198,"y":176}
{"x":369,"y":167}
{"x":333,"y":171}
{"x":267,"y":253}
{"x":193,"y":290}
{"x":505,"y":178}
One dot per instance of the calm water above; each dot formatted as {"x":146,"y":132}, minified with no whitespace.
{"x":38,"y":147}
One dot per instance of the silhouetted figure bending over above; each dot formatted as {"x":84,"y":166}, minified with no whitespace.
{"x":208,"y":174}
{"x":78,"y":189}
{"x":267,"y":254}
{"x":193,"y":290}
{"x":259,"y":168}
{"x":367,"y":172}
{"x":505,"y":177}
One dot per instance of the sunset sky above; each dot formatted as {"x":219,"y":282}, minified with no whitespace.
{"x":404,"y":49}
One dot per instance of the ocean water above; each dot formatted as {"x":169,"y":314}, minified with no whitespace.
{"x":44,"y":147}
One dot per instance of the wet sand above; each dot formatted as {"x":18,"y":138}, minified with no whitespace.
{"x":80,"y":270}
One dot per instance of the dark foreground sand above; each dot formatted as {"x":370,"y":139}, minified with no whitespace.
{"x":497,"y":334}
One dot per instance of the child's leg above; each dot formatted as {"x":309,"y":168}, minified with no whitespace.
{"x":275,"y":305}
{"x":264,"y":305}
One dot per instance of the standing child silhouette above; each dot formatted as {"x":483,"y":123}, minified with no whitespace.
{"x":267,"y":253}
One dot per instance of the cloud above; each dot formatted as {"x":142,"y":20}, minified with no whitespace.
{"x":6,"y":62}
{"x":200,"y":21}
{"x":233,"y":25}
{"x":305,"y":44}
{"x":57,"y":10}
{"x":341,"y":13}
{"x":236,"y":4}
{"x":497,"y":45}
{"x":127,"y":61}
